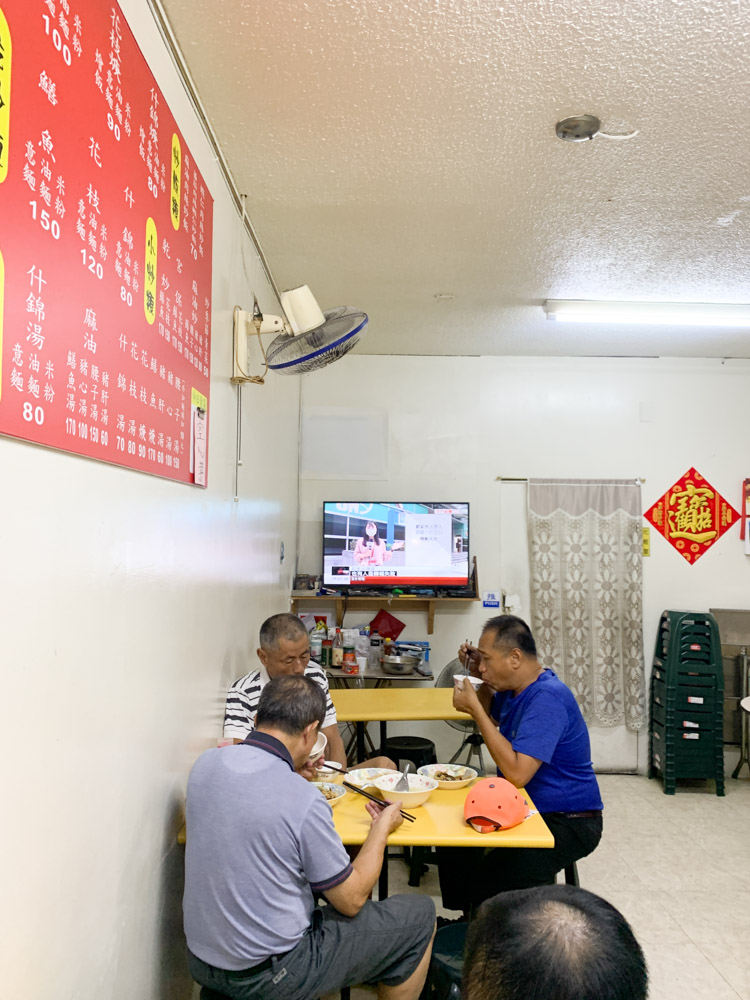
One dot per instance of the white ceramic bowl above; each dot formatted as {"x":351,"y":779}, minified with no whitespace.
{"x":332,"y":793}
{"x":462,"y":775}
{"x":476,"y":682}
{"x":420,"y":788}
{"x":319,"y":748}
{"x":364,"y":777}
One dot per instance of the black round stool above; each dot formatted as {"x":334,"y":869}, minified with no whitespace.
{"x":414,"y":748}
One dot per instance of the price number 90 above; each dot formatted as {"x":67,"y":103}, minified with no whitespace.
{"x":113,"y":127}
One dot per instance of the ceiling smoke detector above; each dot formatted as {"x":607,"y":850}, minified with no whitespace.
{"x":578,"y":128}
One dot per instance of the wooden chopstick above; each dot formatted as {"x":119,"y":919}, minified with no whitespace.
{"x":374,"y":798}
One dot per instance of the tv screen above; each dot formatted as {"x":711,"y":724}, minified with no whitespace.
{"x":411,"y":545}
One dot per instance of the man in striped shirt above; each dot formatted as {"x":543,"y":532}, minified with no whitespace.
{"x":284,"y":650}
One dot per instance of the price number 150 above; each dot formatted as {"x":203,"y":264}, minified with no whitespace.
{"x":51,"y":225}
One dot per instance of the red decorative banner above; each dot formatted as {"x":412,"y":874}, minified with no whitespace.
{"x":105,"y":246}
{"x":692,"y":515}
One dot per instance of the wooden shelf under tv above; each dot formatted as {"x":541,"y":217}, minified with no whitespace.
{"x":407,"y":602}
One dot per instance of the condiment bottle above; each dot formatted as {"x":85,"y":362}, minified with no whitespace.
{"x":316,"y":646}
{"x":325,"y":653}
{"x":349,"y":665}
{"x":375,"y":647}
{"x":337,"y":651}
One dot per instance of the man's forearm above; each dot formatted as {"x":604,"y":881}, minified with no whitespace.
{"x":369,"y":861}
{"x":500,"y":748}
{"x":335,"y":750}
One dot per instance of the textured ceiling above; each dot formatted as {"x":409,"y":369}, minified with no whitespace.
{"x":392,"y":150}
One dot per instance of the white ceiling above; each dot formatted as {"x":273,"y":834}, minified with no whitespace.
{"x":392,"y":150}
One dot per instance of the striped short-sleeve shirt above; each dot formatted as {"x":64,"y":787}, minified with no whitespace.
{"x":243,"y":697}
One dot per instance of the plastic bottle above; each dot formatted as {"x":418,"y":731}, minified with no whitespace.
{"x":349,"y":665}
{"x":337,"y":651}
{"x":316,"y":646}
{"x":375,"y":646}
{"x":325,"y":653}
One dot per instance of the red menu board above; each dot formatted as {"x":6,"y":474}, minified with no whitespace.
{"x":105,"y":247}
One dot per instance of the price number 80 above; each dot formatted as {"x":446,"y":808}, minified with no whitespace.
{"x":33,"y":414}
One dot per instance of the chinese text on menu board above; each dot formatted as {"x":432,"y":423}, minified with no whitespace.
{"x":105,"y":246}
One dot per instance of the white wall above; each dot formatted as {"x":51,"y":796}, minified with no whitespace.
{"x":128,"y":605}
{"x":455,"y":424}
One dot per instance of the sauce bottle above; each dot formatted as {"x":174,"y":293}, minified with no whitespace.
{"x":375,"y":648}
{"x":337,"y":651}
{"x":349,"y":665}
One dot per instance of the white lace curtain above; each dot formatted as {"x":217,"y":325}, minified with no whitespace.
{"x":585,"y":543}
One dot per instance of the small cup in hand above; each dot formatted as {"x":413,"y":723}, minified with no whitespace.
{"x":459,"y":679}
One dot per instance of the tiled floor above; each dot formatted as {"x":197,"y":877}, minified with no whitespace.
{"x":678,"y":867}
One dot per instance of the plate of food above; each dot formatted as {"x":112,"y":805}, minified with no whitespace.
{"x":449,"y":775}
{"x":333,"y":794}
{"x":364,"y":777}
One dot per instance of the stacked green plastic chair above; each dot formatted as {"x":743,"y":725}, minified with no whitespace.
{"x":686,"y":737}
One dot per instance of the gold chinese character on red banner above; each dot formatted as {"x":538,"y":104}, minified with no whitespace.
{"x":691,"y":515}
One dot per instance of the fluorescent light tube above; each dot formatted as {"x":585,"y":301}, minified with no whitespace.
{"x":649,"y":313}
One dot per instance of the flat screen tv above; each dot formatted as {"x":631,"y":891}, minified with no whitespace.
{"x":372,"y":545}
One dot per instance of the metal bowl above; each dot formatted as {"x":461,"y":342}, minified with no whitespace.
{"x":400,"y":664}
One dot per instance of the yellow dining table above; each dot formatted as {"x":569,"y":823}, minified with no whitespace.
{"x":439,"y":822}
{"x":383,"y":705}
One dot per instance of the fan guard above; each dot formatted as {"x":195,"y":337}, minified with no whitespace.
{"x":306,"y":352}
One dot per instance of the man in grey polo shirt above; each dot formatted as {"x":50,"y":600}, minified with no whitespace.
{"x":260,"y":842}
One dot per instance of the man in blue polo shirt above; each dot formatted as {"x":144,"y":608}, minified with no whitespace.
{"x":260,"y":843}
{"x":534,"y":730}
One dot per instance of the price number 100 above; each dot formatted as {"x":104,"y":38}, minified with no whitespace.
{"x":57,"y":41}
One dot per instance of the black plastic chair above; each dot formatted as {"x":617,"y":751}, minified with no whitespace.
{"x":446,"y":964}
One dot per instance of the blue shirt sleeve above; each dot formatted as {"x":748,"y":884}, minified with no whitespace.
{"x":540,"y":727}
{"x":325,"y":862}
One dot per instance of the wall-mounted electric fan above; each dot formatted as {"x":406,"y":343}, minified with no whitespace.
{"x":307,"y":339}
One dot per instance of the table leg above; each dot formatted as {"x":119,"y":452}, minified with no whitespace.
{"x":383,"y":737}
{"x":383,"y":879}
{"x":360,"y":741}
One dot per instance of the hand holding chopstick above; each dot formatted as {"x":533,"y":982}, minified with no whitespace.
{"x":376,"y":800}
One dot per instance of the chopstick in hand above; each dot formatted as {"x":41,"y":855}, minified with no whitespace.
{"x":375,"y":799}
{"x":333,"y":765}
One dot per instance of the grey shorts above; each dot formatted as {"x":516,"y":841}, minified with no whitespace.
{"x":382,"y":944}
